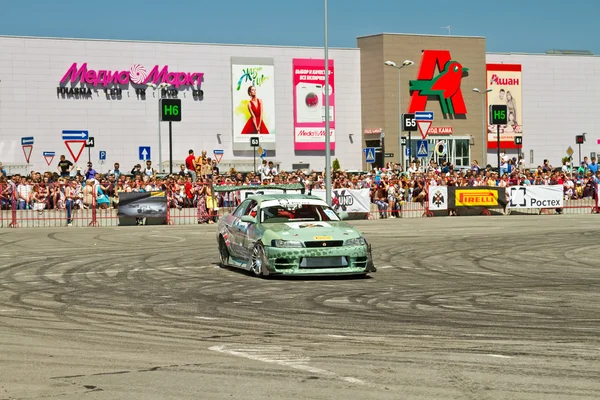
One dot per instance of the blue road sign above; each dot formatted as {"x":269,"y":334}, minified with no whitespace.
{"x":144,"y":153}
{"x":424,"y":116}
{"x":48,"y":154}
{"x":74,"y":135}
{"x":406,"y":152}
{"x":370,"y":155}
{"x":27,"y":141}
{"x":422,"y":148}
{"x":218,"y":151}
{"x":102,"y":155}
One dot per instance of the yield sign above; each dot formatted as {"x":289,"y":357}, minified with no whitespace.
{"x":424,"y":126}
{"x":27,"y":148}
{"x":218,"y":157}
{"x":73,"y":146}
{"x":48,"y":159}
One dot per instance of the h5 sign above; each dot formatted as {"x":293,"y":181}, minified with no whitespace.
{"x":170,"y":110}
{"x":498,"y":114}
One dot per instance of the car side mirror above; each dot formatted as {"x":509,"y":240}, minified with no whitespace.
{"x":343,"y":215}
{"x":249,"y":219}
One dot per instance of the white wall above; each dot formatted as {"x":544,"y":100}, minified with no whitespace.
{"x":31,"y":68}
{"x":561,"y":99}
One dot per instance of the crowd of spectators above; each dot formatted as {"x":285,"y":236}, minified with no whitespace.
{"x":192,"y":186}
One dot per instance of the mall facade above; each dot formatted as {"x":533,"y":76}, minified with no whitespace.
{"x":56,"y":92}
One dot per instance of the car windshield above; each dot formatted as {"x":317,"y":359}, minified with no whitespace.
{"x":297,"y":212}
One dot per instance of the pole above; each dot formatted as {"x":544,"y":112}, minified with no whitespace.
{"x":579,"y":153}
{"x":159,"y":134}
{"x":254,"y":158}
{"x":327,"y":138}
{"x":483,"y":152}
{"x":170,"y":148}
{"x":498,"y":140}
{"x":409,"y":149}
{"x":89,"y":154}
{"x":400,"y":120}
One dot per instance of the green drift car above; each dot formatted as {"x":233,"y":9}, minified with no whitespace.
{"x":291,"y":234}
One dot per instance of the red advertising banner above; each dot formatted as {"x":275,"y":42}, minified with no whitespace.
{"x":505,"y":82}
{"x":309,"y":103}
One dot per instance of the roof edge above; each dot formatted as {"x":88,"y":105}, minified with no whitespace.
{"x":419,"y":34}
{"x":170,"y":42}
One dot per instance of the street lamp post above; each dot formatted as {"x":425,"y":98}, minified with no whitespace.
{"x":483,"y":130}
{"x":392,"y":64}
{"x":159,"y":88}
{"x":327,"y":138}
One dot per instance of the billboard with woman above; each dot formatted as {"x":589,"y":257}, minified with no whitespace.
{"x":504,"y":80}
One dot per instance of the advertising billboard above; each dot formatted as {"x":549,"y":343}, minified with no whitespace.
{"x":504,"y":80}
{"x":253,"y":97}
{"x":309,"y":103}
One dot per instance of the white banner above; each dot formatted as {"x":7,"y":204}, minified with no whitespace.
{"x":537,"y":196}
{"x":438,"y":198}
{"x":259,"y":192}
{"x":349,"y":200}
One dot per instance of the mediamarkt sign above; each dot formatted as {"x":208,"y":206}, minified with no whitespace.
{"x":136,"y":75}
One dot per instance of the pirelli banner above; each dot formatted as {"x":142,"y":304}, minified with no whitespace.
{"x":538,"y":196}
{"x":453,"y":197}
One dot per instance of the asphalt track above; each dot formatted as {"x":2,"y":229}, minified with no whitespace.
{"x":461,"y":308}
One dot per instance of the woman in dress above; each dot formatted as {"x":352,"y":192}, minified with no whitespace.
{"x":255,"y":106}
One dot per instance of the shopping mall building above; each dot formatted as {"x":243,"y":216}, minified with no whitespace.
{"x":55,"y":93}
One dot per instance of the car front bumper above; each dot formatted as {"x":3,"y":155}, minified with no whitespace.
{"x":343,"y":260}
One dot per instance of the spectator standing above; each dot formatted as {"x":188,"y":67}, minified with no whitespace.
{"x":116,"y":171}
{"x":593,"y":166}
{"x":190,"y":164}
{"x":149,"y":171}
{"x":90,"y":172}
{"x":136,"y":170}
{"x":2,"y":170}
{"x":65,"y":167}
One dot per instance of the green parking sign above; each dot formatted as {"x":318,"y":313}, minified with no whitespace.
{"x":170,"y":110}
{"x":498,"y":115}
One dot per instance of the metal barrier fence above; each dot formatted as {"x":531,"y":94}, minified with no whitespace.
{"x":11,"y":216}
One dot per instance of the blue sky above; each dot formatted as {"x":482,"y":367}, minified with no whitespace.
{"x":509,"y":25}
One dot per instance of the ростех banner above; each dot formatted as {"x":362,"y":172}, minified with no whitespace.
{"x":537,"y":196}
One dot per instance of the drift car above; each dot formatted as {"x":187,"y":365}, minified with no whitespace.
{"x":291,"y":234}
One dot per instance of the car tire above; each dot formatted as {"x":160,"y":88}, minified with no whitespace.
{"x":259,"y":261}
{"x":223,"y":253}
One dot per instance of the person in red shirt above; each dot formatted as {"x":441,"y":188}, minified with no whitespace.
{"x":189,"y":195}
{"x":190,"y":164}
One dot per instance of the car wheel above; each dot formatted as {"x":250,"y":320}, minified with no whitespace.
{"x":223,"y":252}
{"x":258,"y":265}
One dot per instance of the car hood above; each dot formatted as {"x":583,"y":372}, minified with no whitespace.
{"x":313,"y":230}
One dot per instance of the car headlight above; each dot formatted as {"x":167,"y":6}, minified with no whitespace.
{"x":359,"y":241}
{"x":286,"y":244}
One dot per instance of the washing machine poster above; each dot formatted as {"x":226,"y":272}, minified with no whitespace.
{"x":253,"y":94}
{"x":309,"y":103}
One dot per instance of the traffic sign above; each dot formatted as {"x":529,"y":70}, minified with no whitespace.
{"x":27,"y":149}
{"x":27,"y":140}
{"x":424,"y":115}
{"x":570,"y":151}
{"x":170,"y":110}
{"x":370,"y":155}
{"x":75,"y":147}
{"x":48,"y":156}
{"x":262,"y":152}
{"x":408,"y":123}
{"x":518,"y":139}
{"x":90,"y":142}
{"x":74,"y":135}
{"x":254,"y":142}
{"x":403,"y":140}
{"x":144,"y":153}
{"x":218,"y":155}
{"x":422,"y":148}
{"x":388,"y":154}
{"x":579,"y":139}
{"x":407,"y":152}
{"x":499,"y":114}
{"x":102,"y":155}
{"x":424,"y":126}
